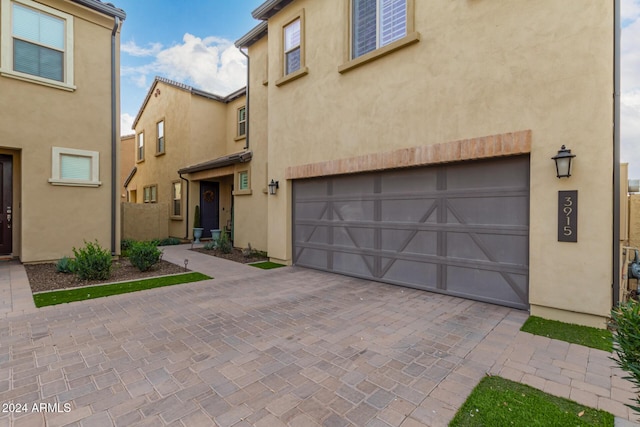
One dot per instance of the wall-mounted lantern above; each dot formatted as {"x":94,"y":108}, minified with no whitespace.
{"x":563,"y":162}
{"x":273,"y":187}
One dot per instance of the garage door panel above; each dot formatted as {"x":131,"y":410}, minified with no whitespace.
{"x":460,"y":229}
{"x":354,"y":237}
{"x":353,"y":264}
{"x":409,"y":210}
{"x":488,"y":210}
{"x":405,"y":272}
{"x":506,"y":288}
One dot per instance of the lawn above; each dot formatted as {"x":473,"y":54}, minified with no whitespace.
{"x":79,"y":294}
{"x":499,"y":402}
{"x":600,"y":339}
{"x":266,"y":265}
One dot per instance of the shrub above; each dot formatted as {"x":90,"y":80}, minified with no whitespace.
{"x":92,"y":262}
{"x":169,"y":241}
{"x":625,"y":321}
{"x":125,"y":245}
{"x":210,"y":245}
{"x":66,"y":265}
{"x":223,"y":244}
{"x":144,"y":255}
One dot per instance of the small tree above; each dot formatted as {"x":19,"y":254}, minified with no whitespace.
{"x":196,"y":217}
{"x":625,"y":321}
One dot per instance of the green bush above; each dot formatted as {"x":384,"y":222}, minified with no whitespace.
{"x":210,"y":245}
{"x":223,"y":244}
{"x":92,"y":262}
{"x":125,"y":245}
{"x":169,"y":241}
{"x":66,"y":265}
{"x":625,"y":322}
{"x":144,"y":255}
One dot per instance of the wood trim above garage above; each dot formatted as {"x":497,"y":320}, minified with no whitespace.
{"x":506,"y":144}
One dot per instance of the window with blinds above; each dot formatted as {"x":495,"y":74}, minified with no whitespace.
{"x":243,"y":180}
{"x":140,"y":146}
{"x":292,"y":47}
{"x":160,"y":133}
{"x":38,"y":43}
{"x":176,"y":195}
{"x":75,"y":167}
{"x":242,"y":121}
{"x":377,"y":23}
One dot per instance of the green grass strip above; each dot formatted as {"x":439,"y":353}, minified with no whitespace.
{"x":500,"y":402}
{"x":80,"y":294}
{"x":267,"y":265}
{"x":600,"y":339}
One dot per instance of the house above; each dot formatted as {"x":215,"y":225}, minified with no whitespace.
{"x":412,"y":144}
{"x":127,"y":163}
{"x":59,"y":80}
{"x":191,"y":149}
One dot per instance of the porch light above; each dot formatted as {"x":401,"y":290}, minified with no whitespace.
{"x":273,"y":187}
{"x":563,"y":162}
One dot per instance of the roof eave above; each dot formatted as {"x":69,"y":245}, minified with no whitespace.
{"x":255,"y":34}
{"x":269,"y":8}
{"x":105,"y":8}
{"x":220,"y":162}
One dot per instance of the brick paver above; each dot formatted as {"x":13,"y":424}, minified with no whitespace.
{"x":282,"y":347}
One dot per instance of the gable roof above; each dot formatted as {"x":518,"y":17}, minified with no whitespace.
{"x":193,"y":91}
{"x":105,"y":8}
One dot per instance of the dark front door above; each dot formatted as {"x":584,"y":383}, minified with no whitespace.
{"x":6,"y":211}
{"x":209,"y":206}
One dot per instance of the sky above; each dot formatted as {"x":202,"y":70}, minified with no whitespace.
{"x":191,"y":41}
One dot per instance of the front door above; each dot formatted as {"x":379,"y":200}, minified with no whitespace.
{"x":6,"y":213}
{"x":209,"y":206}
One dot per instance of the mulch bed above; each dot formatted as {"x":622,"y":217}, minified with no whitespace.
{"x":235,"y":255}
{"x":44,"y":277}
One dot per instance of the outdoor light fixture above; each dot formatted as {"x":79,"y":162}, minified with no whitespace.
{"x":563,"y":162}
{"x":273,"y":187}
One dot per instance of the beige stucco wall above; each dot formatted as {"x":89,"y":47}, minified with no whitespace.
{"x":127,"y":162}
{"x":50,"y":220}
{"x":143,"y":222}
{"x":634,"y":220}
{"x":479,"y":69}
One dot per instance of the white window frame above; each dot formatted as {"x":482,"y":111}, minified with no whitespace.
{"x":158,"y":137}
{"x":294,"y":46}
{"x":242,"y":121}
{"x":140,"y":148}
{"x":6,"y":45}
{"x":153,"y":195}
{"x":176,"y":196}
{"x":242,"y":192}
{"x":303,"y":70}
{"x":57,"y":179}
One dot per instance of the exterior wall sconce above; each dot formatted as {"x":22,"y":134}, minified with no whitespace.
{"x":273,"y":187}
{"x":563,"y":162}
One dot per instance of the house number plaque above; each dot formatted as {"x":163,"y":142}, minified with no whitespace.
{"x":568,"y":216}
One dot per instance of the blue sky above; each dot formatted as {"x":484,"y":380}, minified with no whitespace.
{"x":191,"y":41}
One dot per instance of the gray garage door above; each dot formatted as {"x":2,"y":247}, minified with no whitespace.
{"x":460,"y":229}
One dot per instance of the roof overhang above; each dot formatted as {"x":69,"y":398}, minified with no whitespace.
{"x":106,"y":8}
{"x":220,"y":162}
{"x":130,"y":177}
{"x":258,"y":32}
{"x":269,"y":8}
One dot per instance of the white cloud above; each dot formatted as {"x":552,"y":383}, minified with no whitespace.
{"x":629,"y":10}
{"x":131,"y":48}
{"x":212,"y":64}
{"x":126,"y":124}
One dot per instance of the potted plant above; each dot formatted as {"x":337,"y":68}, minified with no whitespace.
{"x":215,"y":234}
{"x":197,"y":230}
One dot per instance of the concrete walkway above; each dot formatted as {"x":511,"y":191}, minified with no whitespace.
{"x":270,"y":348}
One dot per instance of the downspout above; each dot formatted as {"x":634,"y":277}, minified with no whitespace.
{"x":246,"y":141}
{"x":616,"y":152}
{"x":114,"y":142}
{"x":186,"y":210}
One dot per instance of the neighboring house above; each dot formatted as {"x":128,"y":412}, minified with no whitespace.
{"x":127,"y":164}
{"x":191,"y":149}
{"x":412,"y":145}
{"x":59,"y":120}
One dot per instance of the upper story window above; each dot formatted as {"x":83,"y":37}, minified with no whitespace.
{"x":242,"y":121}
{"x":292,"y":47}
{"x":140,"y":146}
{"x":376,"y":23}
{"x":160,"y":141}
{"x":37,"y":43}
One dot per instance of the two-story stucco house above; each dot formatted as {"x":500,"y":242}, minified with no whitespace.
{"x":59,"y":126}
{"x":191,"y":148}
{"x":412,"y":144}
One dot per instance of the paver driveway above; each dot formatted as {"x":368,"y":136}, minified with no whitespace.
{"x":288,"y":346}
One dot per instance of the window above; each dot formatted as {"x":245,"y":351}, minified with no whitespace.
{"x":176,"y":196}
{"x":242,"y":121}
{"x":140,"y":146}
{"x":377,"y":23}
{"x":37,"y":43}
{"x":243,"y":183}
{"x":377,"y":28}
{"x":292,"y":47}
{"x":75,"y":167}
{"x":160,"y":133}
{"x":293,"y":64}
{"x":150,"y":194}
